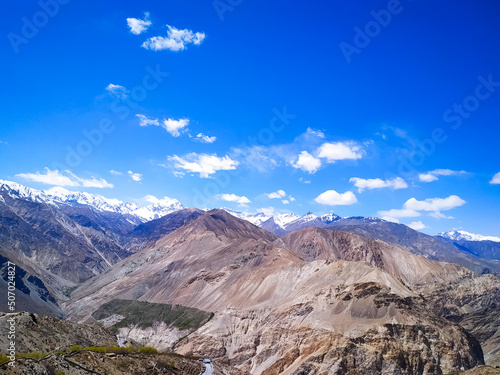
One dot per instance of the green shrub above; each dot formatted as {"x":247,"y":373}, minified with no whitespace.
{"x":59,"y":372}
{"x":75,"y":348}
{"x":4,"y":358}
{"x":120,"y":349}
{"x":148,"y":350}
{"x":99,"y":349}
{"x":34,"y":355}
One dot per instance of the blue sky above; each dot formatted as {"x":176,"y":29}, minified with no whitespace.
{"x":372,"y":108}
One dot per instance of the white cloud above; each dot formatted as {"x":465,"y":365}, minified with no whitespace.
{"x":332,"y":198}
{"x":146,"y":121}
{"x":395,"y":213}
{"x":276,"y":195}
{"x":440,"y":215}
{"x":64,"y":178}
{"x":496,"y":179}
{"x":268,"y":211}
{"x":116,"y":173}
{"x":433,"y":175}
{"x":165,"y":201}
{"x":292,"y":199}
{"x":135,"y":176}
{"x":377,"y":183}
{"x":176,"y":40}
{"x":204,"y":164}
{"x":307,"y":162}
{"x":234,"y":198}
{"x":412,"y":208}
{"x":285,"y":201}
{"x":304,"y":181}
{"x":3,"y":143}
{"x":117,"y":91}
{"x":175,"y":126}
{"x":200,"y":137}
{"x":138,"y":26}
{"x":417,"y":225}
{"x":340,"y":151}
{"x":314,"y":133}
{"x":434,"y":204}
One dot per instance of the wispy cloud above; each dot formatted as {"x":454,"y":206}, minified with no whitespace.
{"x":165,"y":201}
{"x":176,"y":40}
{"x":496,"y":179}
{"x":146,"y":121}
{"x":117,"y":91}
{"x":332,"y":198}
{"x":138,"y":26}
{"x":173,"y":126}
{"x":116,"y":173}
{"x":204,"y":164}
{"x":200,"y":137}
{"x":135,"y":176}
{"x":396,"y":213}
{"x":433,"y":175}
{"x":377,"y":183}
{"x":64,"y":178}
{"x":235,"y":198}
{"x":417,"y":225}
{"x":276,"y":195}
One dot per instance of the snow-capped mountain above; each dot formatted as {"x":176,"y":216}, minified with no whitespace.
{"x":59,"y":195}
{"x":255,"y":219}
{"x":459,"y":235}
{"x":283,"y":220}
{"x":286,"y":223}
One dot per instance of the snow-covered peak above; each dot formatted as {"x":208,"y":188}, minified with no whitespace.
{"x":255,"y":219}
{"x":458,"y":235}
{"x":58,"y":195}
{"x":283,"y":219}
{"x":15,"y":190}
{"x":328,"y":218}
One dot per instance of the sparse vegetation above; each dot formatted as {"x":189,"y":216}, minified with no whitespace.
{"x":67,"y":292}
{"x":145,"y":314}
{"x":148,"y":350}
{"x":33,"y":355}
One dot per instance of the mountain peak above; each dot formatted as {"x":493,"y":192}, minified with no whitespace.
{"x":458,"y":235}
{"x":58,"y":195}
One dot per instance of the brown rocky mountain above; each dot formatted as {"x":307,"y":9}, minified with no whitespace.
{"x":63,"y":249}
{"x":416,"y":242}
{"x":314,"y":300}
{"x":66,"y":245}
{"x":31,"y":294}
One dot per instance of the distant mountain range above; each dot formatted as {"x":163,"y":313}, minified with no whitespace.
{"x":280,"y":224}
{"x":461,"y":235}
{"x":284,"y":293}
{"x":56,"y":196}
